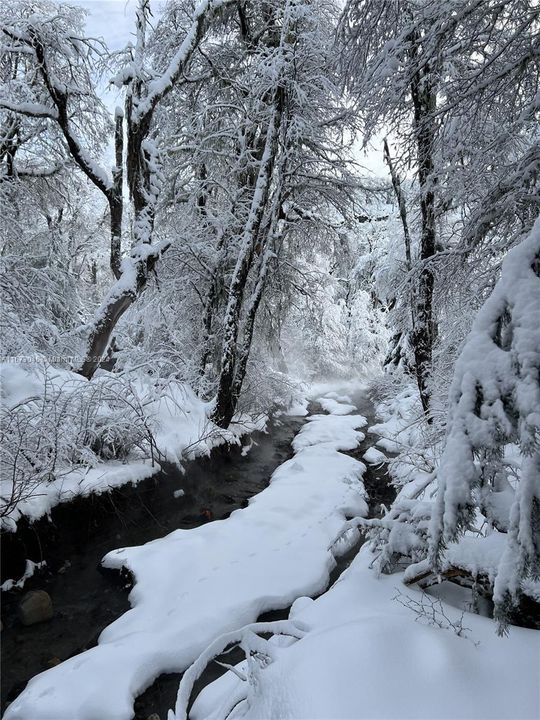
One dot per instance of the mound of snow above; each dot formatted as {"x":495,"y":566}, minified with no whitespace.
{"x":367,"y":656}
{"x":339,"y":434}
{"x":374,"y":456}
{"x":335,"y":407}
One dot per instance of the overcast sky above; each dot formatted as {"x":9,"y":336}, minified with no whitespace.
{"x":113,"y":20}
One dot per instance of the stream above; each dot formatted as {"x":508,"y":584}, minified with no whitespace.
{"x":86,"y":598}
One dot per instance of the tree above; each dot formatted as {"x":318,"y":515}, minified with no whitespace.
{"x":495,"y":400}
{"x":55,"y":74}
{"x":446,"y":79}
{"x":252,"y":160}
{"x":303,"y":165}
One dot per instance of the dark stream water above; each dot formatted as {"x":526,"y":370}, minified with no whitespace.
{"x":87,"y":598}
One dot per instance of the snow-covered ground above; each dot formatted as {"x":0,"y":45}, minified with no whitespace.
{"x":366,"y":654}
{"x":193,"y":585}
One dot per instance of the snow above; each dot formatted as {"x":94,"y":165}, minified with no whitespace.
{"x":334,"y":407}
{"x":476,"y":554}
{"x":340,"y":434}
{"x":365,"y":656}
{"x":374,"y":456}
{"x":339,"y":398}
{"x":29,"y":108}
{"x":29,"y":571}
{"x":177,"y":418}
{"x":299,"y":408}
{"x":193,"y":585}
{"x":126,"y":285}
{"x":182,"y":426}
{"x":494,"y":399}
{"x":160,"y":85}
{"x":81,"y":481}
{"x":399,"y":429}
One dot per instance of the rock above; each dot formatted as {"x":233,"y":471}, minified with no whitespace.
{"x":153,"y":716}
{"x":35,"y":607}
{"x":53,"y":662}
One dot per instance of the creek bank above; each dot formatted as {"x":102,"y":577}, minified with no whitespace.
{"x":86,"y":597}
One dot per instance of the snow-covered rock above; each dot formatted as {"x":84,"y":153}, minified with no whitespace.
{"x":374,"y":456}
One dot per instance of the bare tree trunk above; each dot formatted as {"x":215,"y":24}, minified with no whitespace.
{"x":267,"y":243}
{"x":400,"y":340}
{"x":115,"y":198}
{"x":211,"y":308}
{"x":396,"y":184}
{"x":424,"y":99}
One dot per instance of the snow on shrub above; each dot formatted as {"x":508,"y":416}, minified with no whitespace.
{"x":52,"y":420}
{"x":476,"y":512}
{"x":494,"y":401}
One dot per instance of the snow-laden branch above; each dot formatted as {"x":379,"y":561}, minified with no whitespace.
{"x":160,"y":86}
{"x":248,"y":637}
{"x":495,"y":400}
{"x":30,"y":109}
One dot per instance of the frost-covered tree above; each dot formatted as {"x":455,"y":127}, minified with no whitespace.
{"x":256,"y":173}
{"x":455,"y":84}
{"x":48,"y":262}
{"x":301,"y":166}
{"x":51,"y":76}
{"x":494,"y":401}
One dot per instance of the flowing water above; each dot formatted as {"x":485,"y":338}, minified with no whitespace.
{"x":87,"y":598}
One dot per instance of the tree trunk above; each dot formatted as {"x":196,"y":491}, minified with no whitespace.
{"x":121,"y":296}
{"x":225,"y":400}
{"x":115,"y":198}
{"x":424,"y":99}
{"x":211,"y":308}
{"x":249,"y":322}
{"x":396,"y":184}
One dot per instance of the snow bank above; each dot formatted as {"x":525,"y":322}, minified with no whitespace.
{"x":59,"y":418}
{"x":81,"y":481}
{"x":340,"y":434}
{"x":366,"y":656}
{"x":334,"y":406}
{"x":400,"y":427}
{"x":193,"y":585}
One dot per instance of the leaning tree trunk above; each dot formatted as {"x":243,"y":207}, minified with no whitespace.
{"x":131,"y":273}
{"x":122,"y":295}
{"x":398,"y":192}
